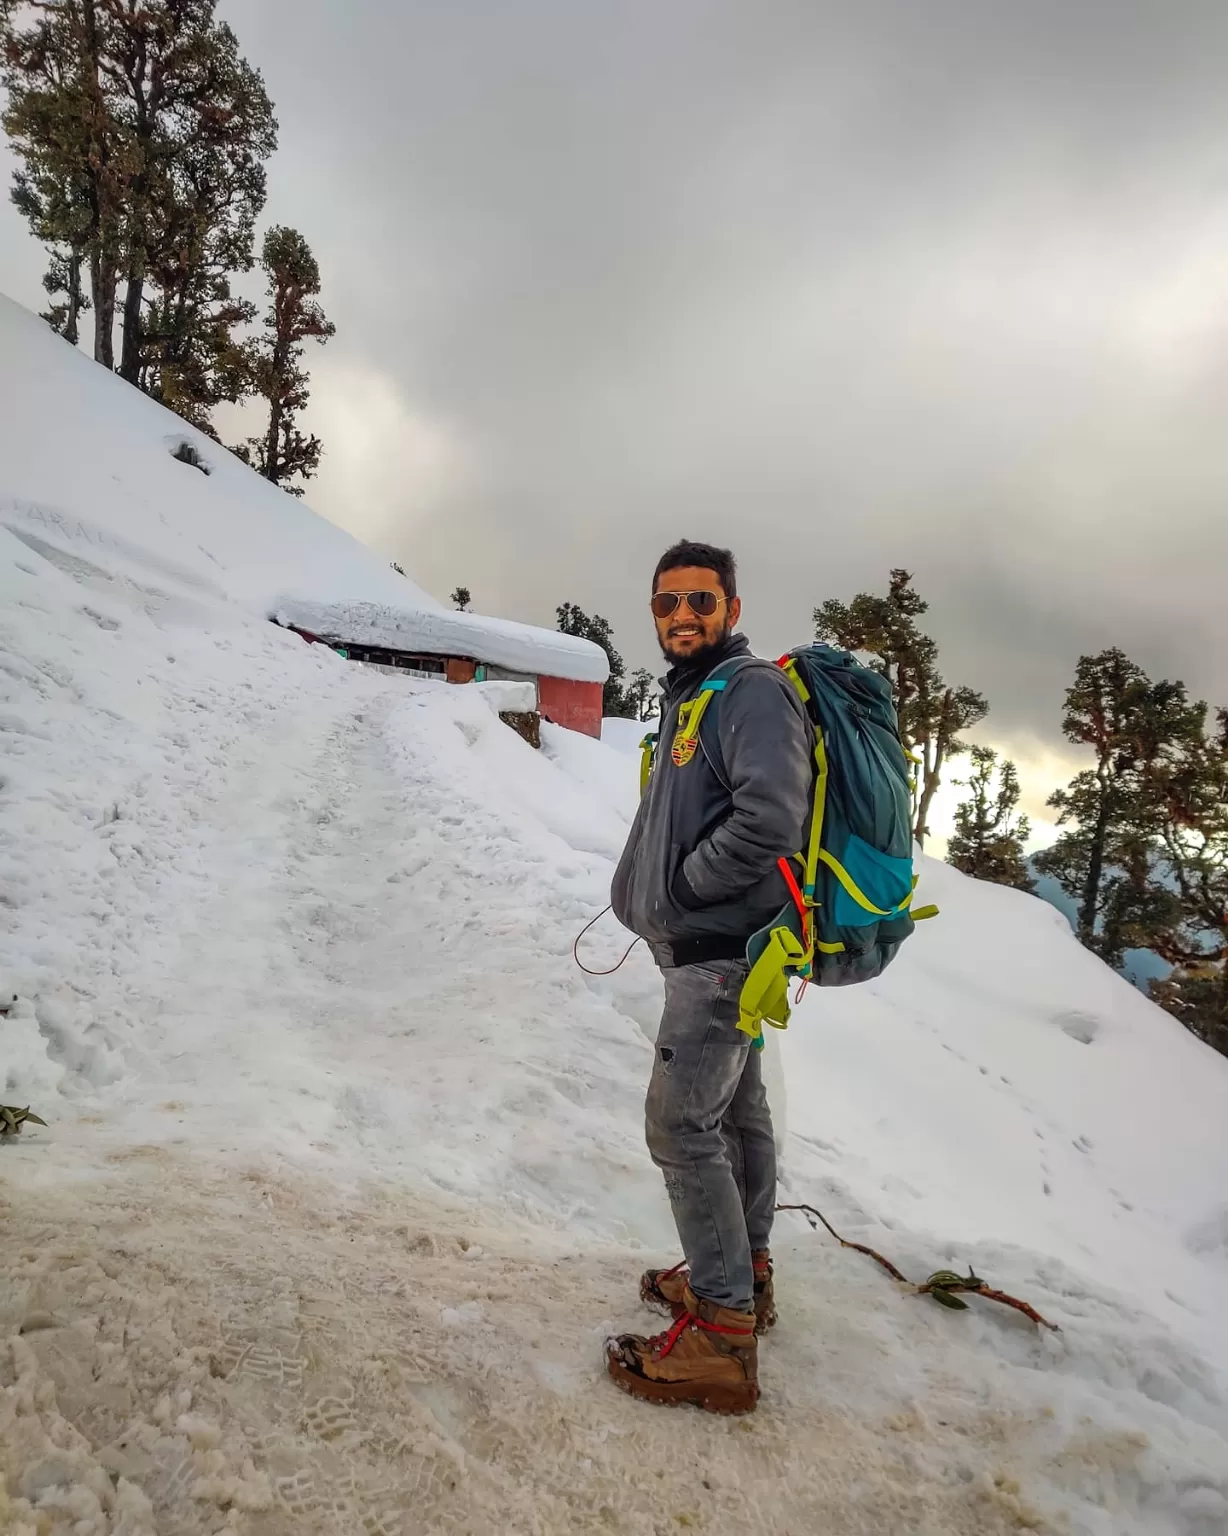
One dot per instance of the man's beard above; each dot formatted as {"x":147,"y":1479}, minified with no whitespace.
{"x":705,"y":656}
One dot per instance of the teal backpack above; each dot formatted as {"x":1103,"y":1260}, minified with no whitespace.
{"x":851,"y":888}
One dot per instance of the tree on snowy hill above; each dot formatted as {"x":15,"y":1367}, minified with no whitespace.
{"x":990,"y":831}
{"x":1193,"y":853}
{"x":1140,"y":733}
{"x":63,"y":275}
{"x":574,"y":621}
{"x":461,"y":599}
{"x":202,"y":126}
{"x":641,"y":694}
{"x":931,"y":712}
{"x":203,"y":208}
{"x":77,"y":159}
{"x":143,"y":134}
{"x":276,"y":360}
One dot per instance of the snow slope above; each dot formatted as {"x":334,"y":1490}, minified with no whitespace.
{"x":344,"y":1180}
{"x":89,"y":480}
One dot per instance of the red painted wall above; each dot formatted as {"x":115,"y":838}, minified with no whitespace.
{"x":575,"y":705}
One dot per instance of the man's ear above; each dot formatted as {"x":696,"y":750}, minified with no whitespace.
{"x":735,"y":612}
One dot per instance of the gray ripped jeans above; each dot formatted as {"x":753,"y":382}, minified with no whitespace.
{"x":710,"y":1130}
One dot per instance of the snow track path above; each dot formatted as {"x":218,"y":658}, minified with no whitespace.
{"x":275,"y":1352}
{"x":255,"y":1355}
{"x":331,"y":1245}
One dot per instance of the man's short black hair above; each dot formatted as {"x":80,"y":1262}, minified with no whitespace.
{"x":706,"y":556}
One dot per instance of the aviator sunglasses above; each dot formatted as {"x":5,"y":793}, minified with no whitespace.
{"x":702,"y":604}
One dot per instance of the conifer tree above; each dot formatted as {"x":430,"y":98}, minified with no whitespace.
{"x":640,"y":694}
{"x":276,"y":360}
{"x":574,"y":621}
{"x":142,"y":134}
{"x":206,"y":205}
{"x":63,"y":276}
{"x":990,"y":831}
{"x":1191,"y":929}
{"x":1104,"y":860}
{"x":77,"y":159}
{"x":461,"y":598}
{"x":931,"y":712}
{"x":201,"y":126}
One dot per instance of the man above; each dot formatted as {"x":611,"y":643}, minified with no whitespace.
{"x":698,"y":877}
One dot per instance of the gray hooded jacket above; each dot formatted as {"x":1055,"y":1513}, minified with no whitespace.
{"x":699,"y":874}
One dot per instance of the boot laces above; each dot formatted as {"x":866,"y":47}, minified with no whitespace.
{"x":661,"y":1344}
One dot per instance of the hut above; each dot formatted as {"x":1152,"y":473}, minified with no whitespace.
{"x":565,"y":674}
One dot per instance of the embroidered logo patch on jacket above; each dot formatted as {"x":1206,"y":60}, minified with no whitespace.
{"x":683,"y":749}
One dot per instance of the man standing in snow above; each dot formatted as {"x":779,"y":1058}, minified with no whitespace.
{"x":698,"y":877}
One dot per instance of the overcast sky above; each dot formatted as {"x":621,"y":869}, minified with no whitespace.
{"x":921,"y":283}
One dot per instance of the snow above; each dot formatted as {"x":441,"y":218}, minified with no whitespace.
{"x":626,"y":735}
{"x":508,"y":697}
{"x":344,"y":1181}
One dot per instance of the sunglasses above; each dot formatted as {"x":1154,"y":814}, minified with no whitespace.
{"x":702,"y":604}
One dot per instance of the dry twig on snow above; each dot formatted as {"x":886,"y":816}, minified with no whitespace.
{"x":943,"y":1285}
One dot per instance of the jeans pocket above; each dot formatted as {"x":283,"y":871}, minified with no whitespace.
{"x":716,"y":970}
{"x":726,"y":1009}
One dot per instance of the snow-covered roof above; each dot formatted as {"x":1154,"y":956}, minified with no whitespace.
{"x":445,"y":632}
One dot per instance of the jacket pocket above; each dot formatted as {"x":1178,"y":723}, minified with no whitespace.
{"x":680,"y":892}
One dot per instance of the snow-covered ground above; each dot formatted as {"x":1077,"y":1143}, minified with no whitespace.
{"x":344,"y":1180}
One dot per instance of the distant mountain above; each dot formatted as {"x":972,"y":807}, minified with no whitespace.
{"x":1140,"y":965}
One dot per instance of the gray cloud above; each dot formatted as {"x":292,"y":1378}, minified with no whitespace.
{"x":939,"y":284}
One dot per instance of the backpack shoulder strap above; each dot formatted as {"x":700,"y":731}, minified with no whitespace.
{"x":714,"y":685}
{"x":691,"y":715}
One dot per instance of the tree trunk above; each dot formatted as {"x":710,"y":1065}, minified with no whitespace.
{"x":933,"y":755}
{"x":272,"y":465}
{"x":130,"y":357}
{"x":1095,"y":870}
{"x":930,"y":784}
{"x":101,"y":195}
{"x":102,"y":294}
{"x":921,"y":830}
{"x":72,"y":331}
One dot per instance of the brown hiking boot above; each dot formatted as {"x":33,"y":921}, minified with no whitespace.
{"x":663,"y":1289}
{"x":709,"y":1357}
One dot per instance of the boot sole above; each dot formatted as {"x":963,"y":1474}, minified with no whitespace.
{"x":715,"y":1399}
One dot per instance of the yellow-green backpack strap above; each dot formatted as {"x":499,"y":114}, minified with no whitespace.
{"x":765,"y":993}
{"x":648,"y":752}
{"x":814,"y":849}
{"x":811,"y":862}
